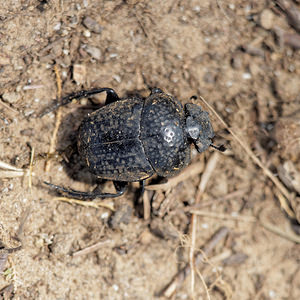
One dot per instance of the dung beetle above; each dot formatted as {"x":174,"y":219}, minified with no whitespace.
{"x":133,"y":138}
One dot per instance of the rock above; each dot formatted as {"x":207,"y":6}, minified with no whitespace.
{"x":11,"y":97}
{"x":4,"y":59}
{"x":289,"y":174}
{"x":92,"y":51}
{"x":287,"y":86}
{"x":92,"y":25}
{"x":163,"y":229}
{"x":286,"y":132}
{"x":79,"y":73}
{"x":61,"y":244}
{"x":266,"y":19}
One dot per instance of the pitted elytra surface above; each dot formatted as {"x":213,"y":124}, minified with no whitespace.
{"x":109,"y":142}
{"x":131,"y":139}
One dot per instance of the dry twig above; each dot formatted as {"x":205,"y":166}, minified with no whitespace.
{"x":58,"y":119}
{"x":193,"y":227}
{"x":190,"y":171}
{"x":251,"y":219}
{"x":4,"y":165}
{"x":236,"y":217}
{"x":291,"y":236}
{"x":256,"y":160}
{"x":147,"y":206}
{"x":183,"y":273}
{"x":291,"y":11}
{"x":285,"y":38}
{"x":86,"y":203}
{"x":9,"y":171}
{"x":5,"y":251}
{"x":229,"y":196}
{"x":223,"y":11}
{"x":6,"y":292}
{"x":30,"y":169}
{"x":92,"y":248}
{"x":8,"y":107}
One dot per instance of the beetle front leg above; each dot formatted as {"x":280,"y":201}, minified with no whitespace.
{"x":120,"y":189}
{"x":112,"y":96}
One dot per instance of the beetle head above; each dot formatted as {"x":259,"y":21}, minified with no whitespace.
{"x":198,"y":127}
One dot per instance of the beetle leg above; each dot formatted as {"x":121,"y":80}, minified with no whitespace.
{"x":111,"y":97}
{"x":142,"y":187}
{"x":220,"y":148}
{"x":85,"y":195}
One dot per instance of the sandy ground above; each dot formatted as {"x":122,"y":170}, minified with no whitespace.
{"x":243,"y":58}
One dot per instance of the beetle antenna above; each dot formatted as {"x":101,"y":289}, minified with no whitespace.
{"x":220,"y":148}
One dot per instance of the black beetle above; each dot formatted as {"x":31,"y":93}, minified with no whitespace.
{"x":131,"y":139}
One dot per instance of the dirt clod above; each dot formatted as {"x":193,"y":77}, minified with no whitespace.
{"x":121,"y":216}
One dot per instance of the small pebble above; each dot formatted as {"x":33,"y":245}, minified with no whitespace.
{"x":287,"y":86}
{"x":234,"y":214}
{"x":92,"y":51}
{"x":57,"y":26}
{"x":204,"y":225}
{"x":4,"y":60}
{"x":5,"y":190}
{"x":87,"y":33}
{"x":105,"y":215}
{"x":117,"y":78}
{"x":196,"y":8}
{"x":27,"y":132}
{"x":79,"y":73}
{"x":272,"y":294}
{"x":92,"y":25}
{"x":266,"y":19}
{"x":286,"y":133}
{"x":28,"y":112}
{"x":115,"y":287}
{"x":229,"y":83}
{"x":228,"y":110}
{"x":247,"y":76}
{"x":209,"y":77}
{"x":146,"y":237}
{"x":11,"y":97}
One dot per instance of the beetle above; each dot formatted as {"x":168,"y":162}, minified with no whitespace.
{"x":133,"y":138}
